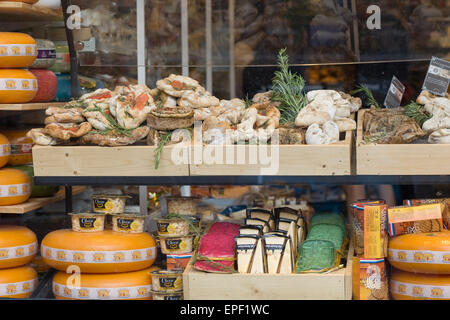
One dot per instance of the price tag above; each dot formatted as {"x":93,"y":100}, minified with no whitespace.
{"x":395,"y":94}
{"x":438,"y":77}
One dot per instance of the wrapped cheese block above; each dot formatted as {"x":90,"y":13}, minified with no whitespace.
{"x":17,"y":86}
{"x":46,"y":54}
{"x":217,"y":248}
{"x":47,"y":85}
{"x":17,"y":50}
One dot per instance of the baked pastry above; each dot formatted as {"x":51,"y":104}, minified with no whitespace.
{"x":113,"y":138}
{"x":65,"y":131}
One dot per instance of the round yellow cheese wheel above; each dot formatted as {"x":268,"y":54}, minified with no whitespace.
{"x":17,"y":86}
{"x":421,"y":253}
{"x":18,"y":282}
{"x":15,"y":186}
{"x":5,"y":150}
{"x":98,"y":252}
{"x":134,"y":285}
{"x":417,"y":286}
{"x":17,"y":50}
{"x":18,"y":246}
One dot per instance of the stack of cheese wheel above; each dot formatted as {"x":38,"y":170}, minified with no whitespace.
{"x":422,"y":266}
{"x":107,"y":264}
{"x":47,"y":81}
{"x":17,"y":51}
{"x":18,"y":246}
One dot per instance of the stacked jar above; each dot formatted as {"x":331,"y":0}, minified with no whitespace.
{"x":179,"y":231}
{"x":110,"y":262}
{"x":18,"y":246}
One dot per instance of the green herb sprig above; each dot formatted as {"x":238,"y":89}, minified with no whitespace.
{"x":417,"y":112}
{"x":164,"y":140}
{"x":116,"y":128}
{"x":361,"y":88}
{"x":287,"y":89}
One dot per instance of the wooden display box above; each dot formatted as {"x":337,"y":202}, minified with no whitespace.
{"x":400,"y":159}
{"x":335,"y":285}
{"x":278,"y":160}
{"x":82,"y":161}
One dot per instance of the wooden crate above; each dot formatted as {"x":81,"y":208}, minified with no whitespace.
{"x":288,"y":160}
{"x":79,"y":161}
{"x":335,"y":285}
{"x":400,"y":159}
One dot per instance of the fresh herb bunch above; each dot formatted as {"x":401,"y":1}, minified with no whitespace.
{"x":164,"y":140}
{"x":287,"y":89}
{"x":417,"y":112}
{"x":247,"y":101}
{"x":361,"y":88}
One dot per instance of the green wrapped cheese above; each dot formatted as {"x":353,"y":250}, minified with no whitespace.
{"x":328,"y":232}
{"x":328,"y":218}
{"x":316,"y":255}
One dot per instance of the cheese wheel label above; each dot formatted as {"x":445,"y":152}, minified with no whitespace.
{"x":14,"y":190}
{"x":88,"y":223}
{"x":18,"y":84}
{"x":99,"y":256}
{"x":419,"y":256}
{"x":5,"y":150}
{"x":46,"y":53}
{"x":175,"y":244}
{"x":18,"y":251}
{"x":102,"y":293}
{"x":18,"y":50}
{"x":420,"y":290}
{"x":24,"y":148}
{"x":8,"y":289}
{"x":163,"y":227}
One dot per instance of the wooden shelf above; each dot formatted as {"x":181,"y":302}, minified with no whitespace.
{"x":37,"y":203}
{"x":18,"y":11}
{"x":29,"y":106}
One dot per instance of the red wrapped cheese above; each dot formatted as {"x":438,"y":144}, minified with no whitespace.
{"x":47,"y":85}
{"x":216,"y":252}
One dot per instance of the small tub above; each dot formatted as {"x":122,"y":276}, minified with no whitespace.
{"x":109,"y":203}
{"x":128,"y":223}
{"x":167,"y":281}
{"x":172,"y":227}
{"x":176,"y":245}
{"x":166,"y":296}
{"x":87,"y":222}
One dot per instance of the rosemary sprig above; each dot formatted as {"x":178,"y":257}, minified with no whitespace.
{"x":361,"y":88}
{"x":287,"y":89}
{"x":417,"y":112}
{"x":116,"y":128}
{"x":164,"y":140}
{"x":247,"y":101}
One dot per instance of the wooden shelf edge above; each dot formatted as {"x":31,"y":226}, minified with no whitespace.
{"x":29,"y":106}
{"x":37,"y":203}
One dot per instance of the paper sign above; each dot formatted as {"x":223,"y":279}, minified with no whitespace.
{"x":438,"y":77}
{"x":395,"y":94}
